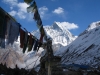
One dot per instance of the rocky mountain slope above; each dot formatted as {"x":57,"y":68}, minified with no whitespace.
{"x":85,"y":49}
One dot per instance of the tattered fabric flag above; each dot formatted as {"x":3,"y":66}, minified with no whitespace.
{"x":22,"y":37}
{"x":3,"y":23}
{"x":35,"y":45}
{"x":31,"y":42}
{"x":2,"y":43}
{"x":36,"y":15}
{"x":18,"y":31}
{"x":42,"y":30}
{"x":14,"y":31}
{"x":41,"y":38}
{"x":28,"y":1}
{"x":39,"y":45}
{"x":39,"y":22}
{"x":42,"y":34}
{"x":32,"y":8}
{"x":25,"y":41}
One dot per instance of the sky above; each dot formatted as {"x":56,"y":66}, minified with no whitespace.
{"x":78,"y":13}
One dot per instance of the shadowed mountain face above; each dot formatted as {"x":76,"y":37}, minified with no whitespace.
{"x":85,"y":49}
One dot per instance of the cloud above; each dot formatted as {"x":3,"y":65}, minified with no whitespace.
{"x":58,"y":11}
{"x":22,"y":12}
{"x":68,"y":25}
{"x":13,"y":13}
{"x":17,"y":8}
{"x":43,"y":11}
{"x":21,"y":15}
{"x":22,"y":7}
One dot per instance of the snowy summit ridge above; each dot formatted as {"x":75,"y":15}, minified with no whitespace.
{"x":93,"y":25}
{"x":59,"y":34}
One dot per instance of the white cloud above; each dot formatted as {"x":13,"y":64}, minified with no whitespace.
{"x":20,"y":10}
{"x":59,"y":10}
{"x":13,"y":13}
{"x":21,"y":15}
{"x":22,"y":7}
{"x":43,"y":10}
{"x":68,"y":25}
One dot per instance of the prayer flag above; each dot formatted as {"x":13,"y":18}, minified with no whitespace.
{"x":32,"y":7}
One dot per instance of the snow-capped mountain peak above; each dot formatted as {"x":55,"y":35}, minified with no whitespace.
{"x":58,"y":33}
{"x":93,"y":25}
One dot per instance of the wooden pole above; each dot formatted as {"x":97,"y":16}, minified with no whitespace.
{"x":49,"y":69}
{"x":50,"y":54}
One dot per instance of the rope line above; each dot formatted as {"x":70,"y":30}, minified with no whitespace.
{"x":33,"y":62}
